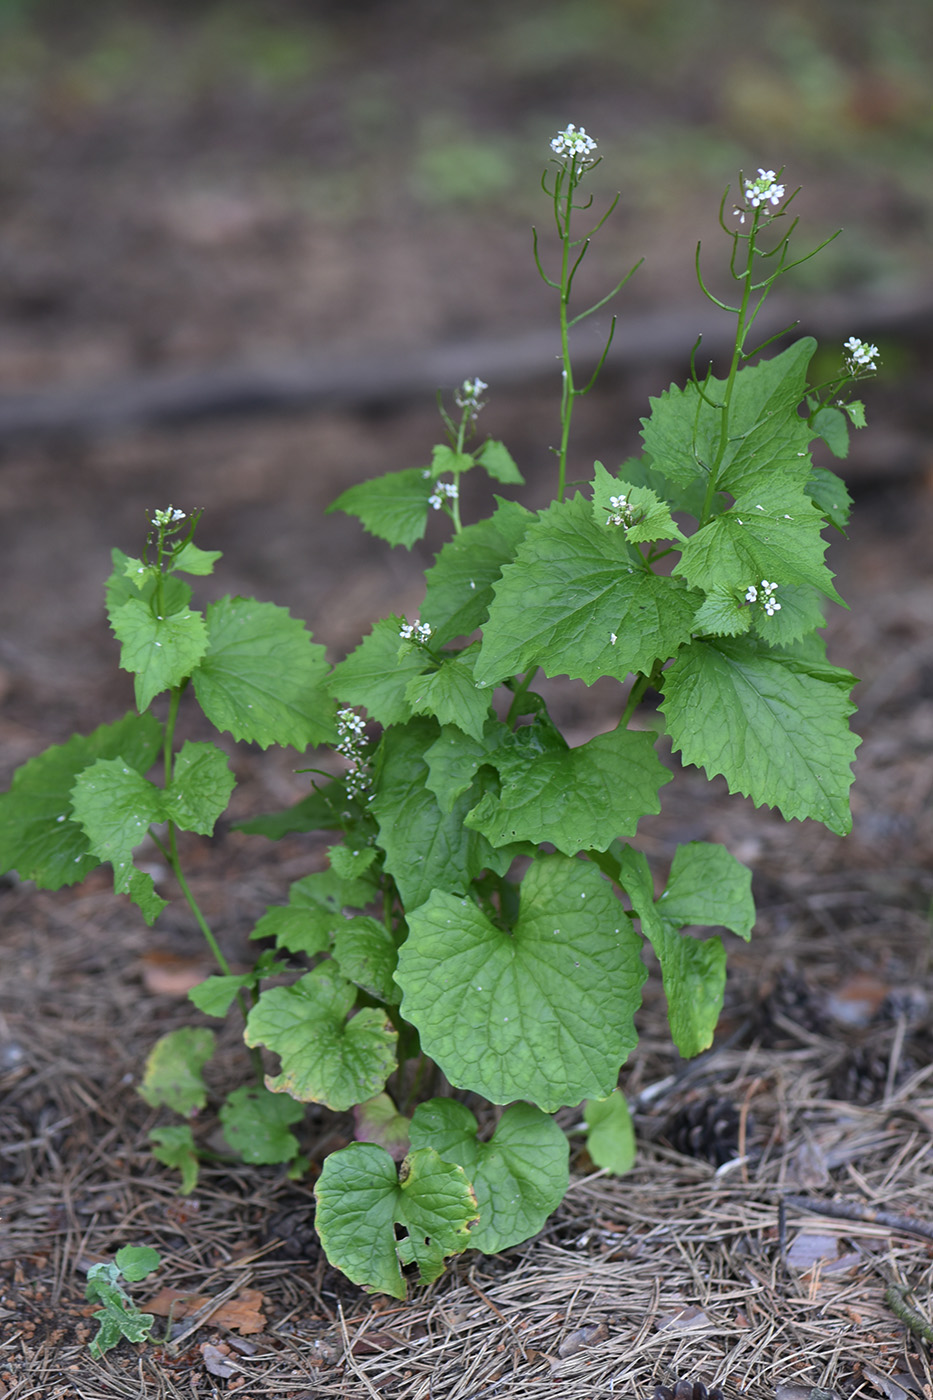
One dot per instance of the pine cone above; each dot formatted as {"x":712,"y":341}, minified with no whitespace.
{"x":708,"y":1128}
{"x":686,"y":1390}
{"x":790,"y":999}
{"x":862,"y":1077}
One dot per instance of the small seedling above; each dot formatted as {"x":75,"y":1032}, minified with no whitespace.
{"x":119,"y":1315}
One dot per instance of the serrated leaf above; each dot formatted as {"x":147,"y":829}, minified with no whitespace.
{"x":133,"y":578}
{"x":326,"y":1057}
{"x":541,"y":1012}
{"x":577,"y":799}
{"x":190,"y":559}
{"x":572,"y":588}
{"x":118,"y":1317}
{"x":455,"y":758}
{"x":215,"y":995}
{"x":322,"y":809}
{"x":115,"y":806}
{"x":801,"y":612}
{"x":769,"y":536}
{"x":38,"y":837}
{"x":831,"y":425}
{"x":495,"y":458}
{"x":519,"y":1176}
{"x":651,"y":518}
{"x":256,"y":1124}
{"x":610,"y":1140}
{"x":393,"y":506}
{"x":448,"y":459}
{"x":174,"y":1147}
{"x":365,"y":952}
{"x":450,"y":694}
{"x":459,"y":583}
{"x":160,"y":650}
{"x":361,"y":1200}
{"x":772,"y":723}
{"x":200,"y":788}
{"x":425,"y":847}
{"x":262,"y":677}
{"x":314,"y":911}
{"x":723,"y":613}
{"x":707,"y":885}
{"x":173,"y":1070}
{"x":377,"y":673}
{"x":831,"y":496}
{"x":350,"y":864}
{"x":856,"y":413}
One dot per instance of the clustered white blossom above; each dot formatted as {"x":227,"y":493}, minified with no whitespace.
{"x":620,"y":512}
{"x":762,"y":190}
{"x":448,"y":489}
{"x":469,"y":396}
{"x":768,"y":600}
{"x":416,"y":632}
{"x":574,"y":143}
{"x":859,"y":354}
{"x":167,"y":517}
{"x":351,"y":741}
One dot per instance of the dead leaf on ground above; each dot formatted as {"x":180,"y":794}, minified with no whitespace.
{"x":583,"y":1337}
{"x":216,"y":1362}
{"x":240,"y":1314}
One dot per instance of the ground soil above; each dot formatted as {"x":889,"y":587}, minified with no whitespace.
{"x":825,"y":1056}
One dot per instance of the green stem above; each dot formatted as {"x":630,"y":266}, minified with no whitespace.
{"x":567,"y":388}
{"x":520,"y":692}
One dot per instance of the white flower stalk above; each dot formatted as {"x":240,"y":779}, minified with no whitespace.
{"x":444,"y":490}
{"x":620,"y":512}
{"x":163,"y":518}
{"x":574,"y":145}
{"x":469,"y":396}
{"x":860,"y":355}
{"x":416,"y":632}
{"x":351,"y":742}
{"x":765,"y":596}
{"x":764,"y":189}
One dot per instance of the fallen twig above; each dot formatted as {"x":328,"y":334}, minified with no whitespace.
{"x":851,"y":1210}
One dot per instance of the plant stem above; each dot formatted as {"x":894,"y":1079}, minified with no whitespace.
{"x":567,"y":389}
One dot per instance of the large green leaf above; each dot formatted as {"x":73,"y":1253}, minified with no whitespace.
{"x":377,"y":673}
{"x":459,"y":584}
{"x":314,"y":912}
{"x":160,"y":650}
{"x":578,"y":799}
{"x":393,"y":506}
{"x":115,"y":806}
{"x":372,"y":1220}
{"x":774,"y":724}
{"x":450,"y":694}
{"x":326,"y":1057}
{"x":365,"y":952}
{"x":542,"y":1011}
{"x":262,"y":677}
{"x":519,"y":1176}
{"x":38,"y":837}
{"x":707,"y":885}
{"x":200,"y":788}
{"x":256,"y":1124}
{"x":577,"y":602}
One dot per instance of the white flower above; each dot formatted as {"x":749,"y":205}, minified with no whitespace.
{"x":767,"y":599}
{"x":167,"y":517}
{"x":763,"y":190}
{"x":416,"y":632}
{"x":442,"y":489}
{"x":469,"y":395}
{"x":860,"y":355}
{"x":573,"y":143}
{"x":351,"y":743}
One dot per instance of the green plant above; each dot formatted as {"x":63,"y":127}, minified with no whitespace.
{"x":119,"y":1315}
{"x":483,"y":912}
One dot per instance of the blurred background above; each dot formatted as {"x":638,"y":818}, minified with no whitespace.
{"x":242,"y":244}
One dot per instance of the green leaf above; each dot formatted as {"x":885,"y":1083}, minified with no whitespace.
{"x":200,"y":788}
{"x":707,"y":885}
{"x":173,"y":1070}
{"x":161,"y":651}
{"x":132,"y":578}
{"x":322,"y":809}
{"x":38,"y":837}
{"x":119,"y":1317}
{"x":314,"y":911}
{"x":365,"y":952}
{"x":643,"y":471}
{"x":454,"y":759}
{"x":137,"y":1261}
{"x":256,"y":1124}
{"x":723,"y":613}
{"x":459,"y":584}
{"x":519,"y":1177}
{"x":326,"y":1058}
{"x":572,"y":588}
{"x":497,"y":461}
{"x":393,"y":506}
{"x":830,"y":424}
{"x":773,"y":537}
{"x":830,"y":495}
{"x":447,"y":459}
{"x":377,"y":673}
{"x":542,"y":1011}
{"x":450,"y":694}
{"x":262,"y":677}
{"x":192,"y":560}
{"x":426,"y":848}
{"x":775,"y":725}
{"x":174,"y":1147}
{"x":115,"y":806}
{"x":361,"y":1201}
{"x":578,"y":799}
{"x":378,"y":1120}
{"x":651,"y":518}
{"x":856,"y":413}
{"x":610,"y":1140}
{"x":349,"y":864}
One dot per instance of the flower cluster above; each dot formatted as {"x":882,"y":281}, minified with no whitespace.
{"x":167,"y":517}
{"x":416,"y":632}
{"x":573,"y":143}
{"x":767,"y":598}
{"x":621,"y":513}
{"x":860,"y":355}
{"x":762,"y":190}
{"x":469,"y":396}
{"x":443,"y":489}
{"x":351,"y":743}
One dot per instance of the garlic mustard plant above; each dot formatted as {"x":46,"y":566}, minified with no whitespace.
{"x":481,"y":919}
